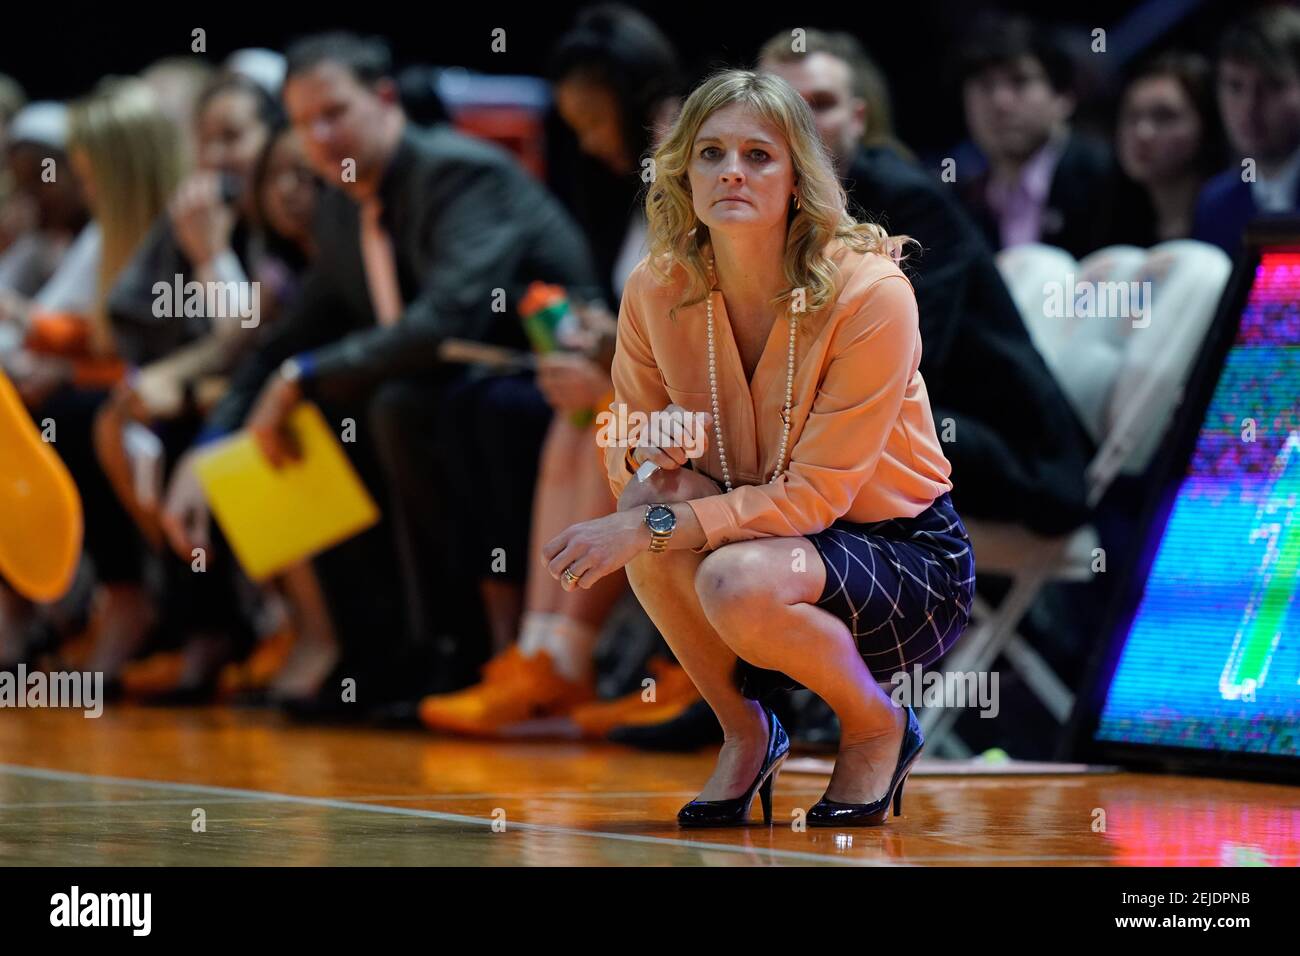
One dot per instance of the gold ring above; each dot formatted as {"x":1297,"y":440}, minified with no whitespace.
{"x":570,"y":576}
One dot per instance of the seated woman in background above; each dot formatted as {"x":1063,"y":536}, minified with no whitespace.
{"x":208,"y":235}
{"x":616,"y":82}
{"x":813,"y":539}
{"x":205,"y":233}
{"x":285,"y":191}
{"x":290,"y":663}
{"x":126,"y":156}
{"x":1169,"y":142}
{"x":282,"y":193}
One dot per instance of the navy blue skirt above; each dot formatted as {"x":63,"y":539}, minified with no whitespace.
{"x":902,"y":586}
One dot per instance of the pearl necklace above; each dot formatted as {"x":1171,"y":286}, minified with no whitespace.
{"x":717,"y":416}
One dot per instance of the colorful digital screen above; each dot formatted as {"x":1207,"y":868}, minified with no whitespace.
{"x":1211,"y":660}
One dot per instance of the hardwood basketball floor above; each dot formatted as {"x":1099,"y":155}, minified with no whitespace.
{"x":124,"y":789}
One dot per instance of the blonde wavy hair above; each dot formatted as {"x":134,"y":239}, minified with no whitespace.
{"x":134,"y":151}
{"x":677,"y":236}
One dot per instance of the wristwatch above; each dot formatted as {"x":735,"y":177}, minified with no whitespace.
{"x":661,"y":521}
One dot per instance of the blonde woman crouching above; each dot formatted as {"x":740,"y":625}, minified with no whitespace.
{"x":813,"y":542}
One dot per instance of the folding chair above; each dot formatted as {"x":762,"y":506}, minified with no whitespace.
{"x":1125,"y":381}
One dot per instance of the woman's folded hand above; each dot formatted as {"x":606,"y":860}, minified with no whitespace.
{"x":674,"y":436}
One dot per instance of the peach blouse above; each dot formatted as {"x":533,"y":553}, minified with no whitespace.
{"x":862,"y":438}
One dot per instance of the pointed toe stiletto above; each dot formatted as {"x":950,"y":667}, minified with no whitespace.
{"x":735,"y":811}
{"x":831,"y":813}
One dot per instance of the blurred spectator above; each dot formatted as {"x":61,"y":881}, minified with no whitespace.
{"x":1259,"y":100}
{"x":424,"y":226}
{"x":126,"y":155}
{"x":616,"y":83}
{"x":207,"y":235}
{"x":285,"y":192}
{"x":178,"y":82}
{"x":123,"y":200}
{"x":1168,"y":142}
{"x":45,"y":210}
{"x":1044,"y":183}
{"x":1018,"y":452}
{"x":845,"y":89}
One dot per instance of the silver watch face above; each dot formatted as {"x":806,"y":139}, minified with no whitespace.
{"x":660,"y":519}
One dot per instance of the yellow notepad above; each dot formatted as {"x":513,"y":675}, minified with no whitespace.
{"x":275,"y":518}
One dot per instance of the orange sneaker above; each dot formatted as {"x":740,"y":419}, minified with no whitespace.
{"x":516,"y":696}
{"x":152,"y":676}
{"x":674,"y":692}
{"x":257,"y":670}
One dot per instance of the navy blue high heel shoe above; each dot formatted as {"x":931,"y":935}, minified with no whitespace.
{"x":830,"y":813}
{"x":735,"y":812}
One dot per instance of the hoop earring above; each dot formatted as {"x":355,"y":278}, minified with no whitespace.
{"x":798,"y":204}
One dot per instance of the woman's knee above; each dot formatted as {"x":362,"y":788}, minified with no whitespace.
{"x":741,"y":586}
{"x":734,"y":584}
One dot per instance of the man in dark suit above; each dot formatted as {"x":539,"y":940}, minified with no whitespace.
{"x":1018,"y":451}
{"x":429,"y":235}
{"x":1044,"y":182}
{"x":1259,"y":99}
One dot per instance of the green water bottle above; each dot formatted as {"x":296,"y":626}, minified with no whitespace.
{"x":548,"y":320}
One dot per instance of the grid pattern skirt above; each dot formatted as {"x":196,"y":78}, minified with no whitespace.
{"x":903,"y":587}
